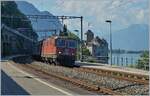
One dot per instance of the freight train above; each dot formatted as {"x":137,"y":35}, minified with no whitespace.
{"x":59,"y":50}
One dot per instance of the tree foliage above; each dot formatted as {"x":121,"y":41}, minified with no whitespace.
{"x":143,"y":62}
{"x":73,"y":36}
{"x":11,"y":12}
{"x":64,"y":32}
{"x":9,"y":8}
{"x":86,"y":52}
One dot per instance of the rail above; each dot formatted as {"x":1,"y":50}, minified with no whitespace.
{"x":96,"y":86}
{"x":80,"y":83}
{"x":142,"y":79}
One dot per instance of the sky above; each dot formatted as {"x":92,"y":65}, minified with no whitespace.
{"x":122,"y":13}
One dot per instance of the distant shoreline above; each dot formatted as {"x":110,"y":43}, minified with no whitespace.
{"x":116,"y":51}
{"x":127,"y":52}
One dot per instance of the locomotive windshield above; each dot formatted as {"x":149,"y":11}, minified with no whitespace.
{"x":60,"y":43}
{"x":72,"y":43}
{"x":66,"y":43}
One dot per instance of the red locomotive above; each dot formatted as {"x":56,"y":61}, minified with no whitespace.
{"x":59,"y":50}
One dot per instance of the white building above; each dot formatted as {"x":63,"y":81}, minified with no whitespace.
{"x":99,"y":49}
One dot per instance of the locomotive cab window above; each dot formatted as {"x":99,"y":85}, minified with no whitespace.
{"x":60,"y":43}
{"x":72,"y":44}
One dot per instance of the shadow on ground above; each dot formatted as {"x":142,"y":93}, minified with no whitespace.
{"x":23,"y":60}
{"x":10,"y":87}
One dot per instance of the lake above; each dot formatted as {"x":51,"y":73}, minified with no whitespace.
{"x":125,"y":59}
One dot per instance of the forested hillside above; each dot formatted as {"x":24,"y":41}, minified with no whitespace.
{"x":10,"y":17}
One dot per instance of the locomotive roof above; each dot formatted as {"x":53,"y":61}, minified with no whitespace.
{"x":57,"y":37}
{"x":62,"y":37}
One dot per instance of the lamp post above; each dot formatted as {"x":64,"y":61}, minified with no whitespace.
{"x":81,"y":53}
{"x":109,"y":21}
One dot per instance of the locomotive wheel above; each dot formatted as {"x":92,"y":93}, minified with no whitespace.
{"x":43,"y":60}
{"x":49,"y":61}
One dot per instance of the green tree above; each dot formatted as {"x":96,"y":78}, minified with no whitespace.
{"x":10,"y":12}
{"x":73,"y":36}
{"x":12,"y":17}
{"x":64,"y":32}
{"x":143,"y":62}
{"x":9,"y":8}
{"x":86,"y":52}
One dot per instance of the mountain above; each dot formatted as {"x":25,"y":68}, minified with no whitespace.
{"x":39,"y":24}
{"x":135,"y":37}
{"x":16,"y":22}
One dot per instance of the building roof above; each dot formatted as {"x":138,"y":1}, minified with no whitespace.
{"x":97,"y":42}
{"x":89,"y":32}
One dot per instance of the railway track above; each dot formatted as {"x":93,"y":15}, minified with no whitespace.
{"x":98,"y":80}
{"x":74,"y":76}
{"x":80,"y":83}
{"x":141,"y":79}
{"x":132,"y":77}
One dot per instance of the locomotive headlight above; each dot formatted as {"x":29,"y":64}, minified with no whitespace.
{"x":59,"y":52}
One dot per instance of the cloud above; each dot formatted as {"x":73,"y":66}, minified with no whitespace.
{"x":140,"y":15}
{"x":122,"y":12}
{"x":100,"y":9}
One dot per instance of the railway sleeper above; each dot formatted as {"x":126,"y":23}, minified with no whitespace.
{"x":119,"y":76}
{"x":82,"y":84}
